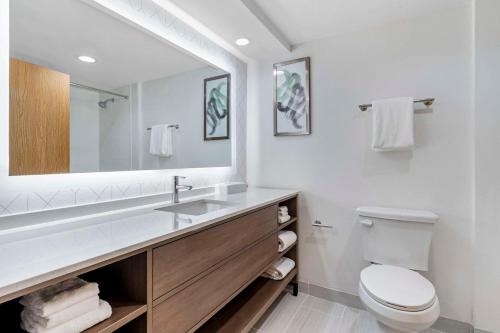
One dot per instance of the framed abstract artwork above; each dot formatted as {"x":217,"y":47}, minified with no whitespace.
{"x":292,"y":105}
{"x":217,"y":107}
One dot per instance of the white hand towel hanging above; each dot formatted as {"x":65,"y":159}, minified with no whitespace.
{"x":393,"y":124}
{"x":162,"y":141}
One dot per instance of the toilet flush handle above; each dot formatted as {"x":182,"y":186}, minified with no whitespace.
{"x":367,"y":223}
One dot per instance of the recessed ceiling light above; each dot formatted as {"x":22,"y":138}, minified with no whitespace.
{"x":87,"y":59}
{"x":242,"y":41}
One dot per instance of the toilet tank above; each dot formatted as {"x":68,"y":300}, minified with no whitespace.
{"x":399,"y":237}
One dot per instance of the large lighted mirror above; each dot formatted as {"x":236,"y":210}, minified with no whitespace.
{"x":91,"y":93}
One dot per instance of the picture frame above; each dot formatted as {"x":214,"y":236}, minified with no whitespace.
{"x":217,"y":107}
{"x":291,"y":102}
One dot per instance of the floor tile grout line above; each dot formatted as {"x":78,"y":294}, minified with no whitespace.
{"x":352,"y":325}
{"x":296,"y":312}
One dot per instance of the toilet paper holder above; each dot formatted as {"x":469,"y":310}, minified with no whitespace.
{"x":320,"y":224}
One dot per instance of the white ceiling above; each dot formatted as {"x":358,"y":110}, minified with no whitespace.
{"x":303,"y":20}
{"x":230,"y":19}
{"x":306,"y":20}
{"x":53,"y":33}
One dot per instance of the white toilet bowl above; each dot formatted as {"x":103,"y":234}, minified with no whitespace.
{"x":399,"y":298}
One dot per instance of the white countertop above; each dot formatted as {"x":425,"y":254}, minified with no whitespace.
{"x":41,"y":253}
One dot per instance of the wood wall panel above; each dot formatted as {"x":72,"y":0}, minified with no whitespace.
{"x":39,"y":120}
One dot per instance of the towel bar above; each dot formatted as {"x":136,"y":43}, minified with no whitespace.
{"x":176,"y":127}
{"x":427,"y":102}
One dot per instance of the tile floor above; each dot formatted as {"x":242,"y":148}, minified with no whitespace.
{"x":309,"y":314}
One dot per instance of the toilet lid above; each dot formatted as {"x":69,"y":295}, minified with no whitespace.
{"x":398,"y":287}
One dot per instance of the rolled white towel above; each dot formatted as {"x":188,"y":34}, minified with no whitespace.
{"x":59,"y":296}
{"x":283,"y":209}
{"x":284,"y":218}
{"x":285,"y":239}
{"x":279,"y":269}
{"x":60,"y":317}
{"x":76,"y":325}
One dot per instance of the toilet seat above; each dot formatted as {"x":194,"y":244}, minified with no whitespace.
{"x":398,"y":288}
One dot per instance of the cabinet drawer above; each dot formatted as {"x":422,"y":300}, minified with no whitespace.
{"x":184,"y":310}
{"x":179,"y":261}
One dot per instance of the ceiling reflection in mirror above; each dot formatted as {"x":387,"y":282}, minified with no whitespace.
{"x":91,"y":93}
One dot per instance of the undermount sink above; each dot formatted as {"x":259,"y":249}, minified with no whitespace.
{"x":196,"y":208}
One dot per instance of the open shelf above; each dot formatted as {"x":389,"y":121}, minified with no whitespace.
{"x":286,"y":224}
{"x":124,"y":285}
{"x":123,"y":313}
{"x":281,"y":254}
{"x":243,"y":312}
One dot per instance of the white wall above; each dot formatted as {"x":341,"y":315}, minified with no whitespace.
{"x":84,"y":131}
{"x":115,"y":125}
{"x":178,"y":100}
{"x":487,"y":169}
{"x":337,"y":171}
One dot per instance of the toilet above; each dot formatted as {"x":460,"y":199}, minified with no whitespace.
{"x":397,"y":243}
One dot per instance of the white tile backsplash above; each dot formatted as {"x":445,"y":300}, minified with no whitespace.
{"x":12,"y":203}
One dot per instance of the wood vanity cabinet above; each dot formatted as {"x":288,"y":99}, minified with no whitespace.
{"x":204,"y":281}
{"x":39,"y":120}
{"x":182,"y":311}
{"x":179,"y":261}
{"x":213,"y":264}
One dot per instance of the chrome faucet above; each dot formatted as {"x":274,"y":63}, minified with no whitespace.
{"x":176,"y":187}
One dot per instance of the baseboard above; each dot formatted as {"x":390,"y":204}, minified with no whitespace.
{"x":331,"y":295}
{"x":452,"y":326}
{"x":442,"y":324}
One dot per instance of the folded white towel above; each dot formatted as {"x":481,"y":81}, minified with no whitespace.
{"x":284,"y":218}
{"x":285,"y":239}
{"x":161,"y":141}
{"x":60,"y":317}
{"x":283,"y":209}
{"x":393,"y":124}
{"x":76,"y":325}
{"x":59,"y":296}
{"x":279,"y":269}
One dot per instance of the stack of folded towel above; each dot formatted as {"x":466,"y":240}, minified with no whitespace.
{"x":283,"y":215}
{"x":279,"y":269}
{"x":67,"y":307}
{"x":286,"y":239}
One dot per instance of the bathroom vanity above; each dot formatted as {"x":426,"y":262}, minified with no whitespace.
{"x":161,"y":269}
